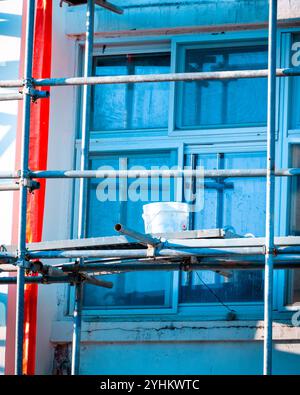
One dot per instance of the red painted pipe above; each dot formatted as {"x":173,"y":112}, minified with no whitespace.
{"x":39,"y":131}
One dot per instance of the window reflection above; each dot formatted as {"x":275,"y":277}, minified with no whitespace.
{"x":235,"y":203}
{"x":131,"y":106}
{"x":224,"y":103}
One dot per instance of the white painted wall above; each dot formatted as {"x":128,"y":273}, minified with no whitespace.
{"x":58,"y":192}
{"x":10,"y":32}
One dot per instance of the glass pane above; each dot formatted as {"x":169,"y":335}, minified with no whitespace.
{"x":236,"y":203}
{"x":294,"y":193}
{"x":136,"y":289}
{"x":131,"y":106}
{"x":224,"y":103}
{"x":293,"y":276}
{"x":295,"y":84}
{"x":293,"y":288}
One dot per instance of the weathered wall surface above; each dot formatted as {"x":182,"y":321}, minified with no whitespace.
{"x":187,"y":358}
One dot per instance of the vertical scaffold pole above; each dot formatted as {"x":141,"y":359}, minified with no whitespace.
{"x":270,"y":189}
{"x":85,"y":140}
{"x":23,"y":188}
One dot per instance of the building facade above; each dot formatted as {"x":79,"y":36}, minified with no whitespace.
{"x":181,"y":323}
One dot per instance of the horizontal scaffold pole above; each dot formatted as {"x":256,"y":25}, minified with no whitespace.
{"x":170,"y":77}
{"x":9,"y":187}
{"x":9,"y":175}
{"x":173,"y":266}
{"x":11,"y":96}
{"x":141,"y":237}
{"x":175,"y":173}
{"x":118,"y":266}
{"x":181,"y":252}
{"x":36,"y":280}
{"x":162,"y":173}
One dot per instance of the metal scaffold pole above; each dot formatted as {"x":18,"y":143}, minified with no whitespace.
{"x":21,"y":264}
{"x":136,"y":79}
{"x":85,"y":140}
{"x":270,"y":189}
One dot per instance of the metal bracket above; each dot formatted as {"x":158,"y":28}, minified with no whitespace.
{"x":151,"y":251}
{"x":26,"y":181}
{"x":36,"y":94}
{"x":3,"y":248}
{"x":20,"y":263}
{"x":273,"y":251}
{"x":30,"y":184}
{"x":35,"y":267}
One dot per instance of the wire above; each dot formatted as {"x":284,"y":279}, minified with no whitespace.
{"x":215,"y":295}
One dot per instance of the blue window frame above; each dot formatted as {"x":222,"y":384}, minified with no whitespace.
{"x":245,"y":135}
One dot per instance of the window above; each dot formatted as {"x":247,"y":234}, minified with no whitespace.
{"x":223,"y":103}
{"x":131,"y":106}
{"x":293,"y":276}
{"x":237,"y":204}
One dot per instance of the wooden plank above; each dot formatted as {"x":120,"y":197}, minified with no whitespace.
{"x":193,"y":234}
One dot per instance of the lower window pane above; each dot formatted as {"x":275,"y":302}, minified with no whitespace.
{"x":208,"y":287}
{"x":237,"y":204}
{"x":293,"y":297}
{"x":149,"y":289}
{"x":133,"y":289}
{"x":293,"y":276}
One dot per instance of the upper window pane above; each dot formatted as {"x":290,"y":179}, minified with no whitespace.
{"x":295,"y":84}
{"x":223,"y":103}
{"x":131,"y":106}
{"x":293,"y":276}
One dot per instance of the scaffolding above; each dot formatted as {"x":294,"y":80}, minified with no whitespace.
{"x":167,"y":252}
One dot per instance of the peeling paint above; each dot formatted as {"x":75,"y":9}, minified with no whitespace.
{"x":61,"y":361}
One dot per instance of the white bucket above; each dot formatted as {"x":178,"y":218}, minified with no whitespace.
{"x":166,"y":217}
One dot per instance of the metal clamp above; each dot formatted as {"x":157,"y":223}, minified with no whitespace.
{"x":32,"y":185}
{"x":273,"y":251}
{"x":24,"y":263}
{"x":3,"y":248}
{"x":35,"y":267}
{"x":151,"y":251}
{"x":36,"y":94}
